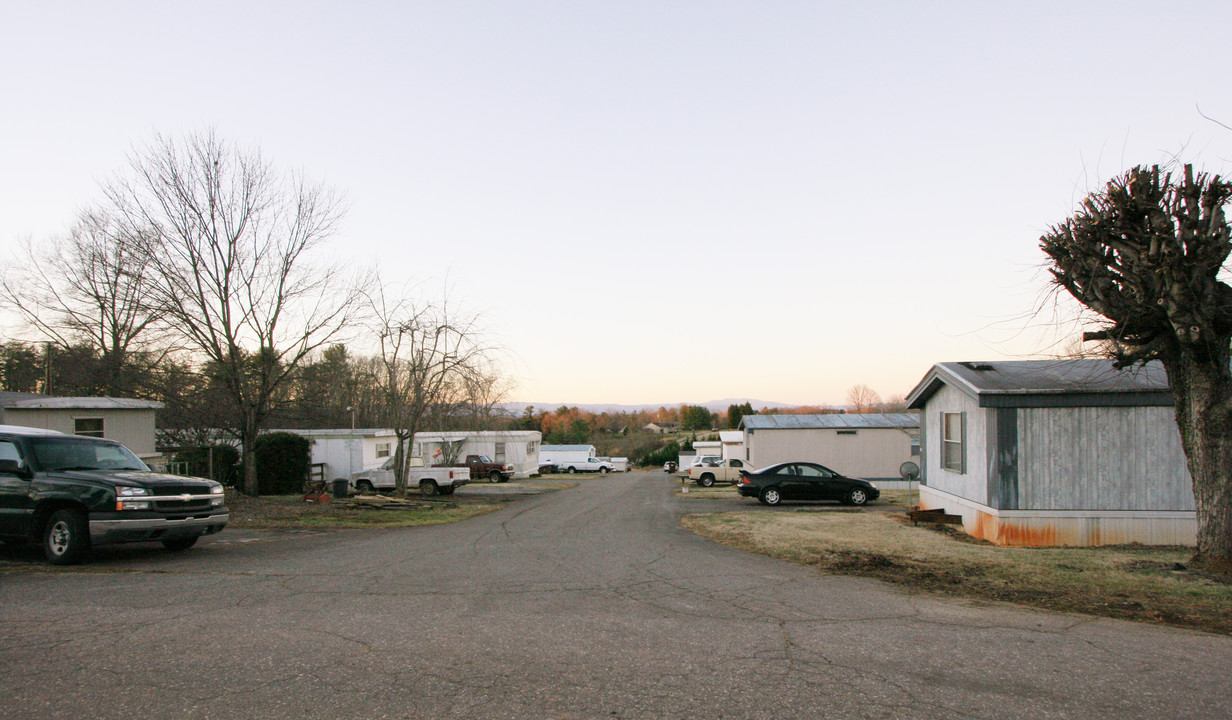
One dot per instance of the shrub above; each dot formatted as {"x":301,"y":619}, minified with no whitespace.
{"x":223,"y":466}
{"x":282,"y":463}
{"x":670,"y":451}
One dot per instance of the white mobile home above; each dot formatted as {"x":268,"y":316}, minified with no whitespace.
{"x":343,"y":452}
{"x":519,"y":448}
{"x":1055,"y":452}
{"x":871,"y":446}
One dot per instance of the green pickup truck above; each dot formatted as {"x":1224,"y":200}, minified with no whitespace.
{"x":69,"y":493}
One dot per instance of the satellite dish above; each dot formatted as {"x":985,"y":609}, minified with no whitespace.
{"x":909,"y":471}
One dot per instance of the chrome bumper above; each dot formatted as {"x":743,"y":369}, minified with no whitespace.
{"x":137,"y":529}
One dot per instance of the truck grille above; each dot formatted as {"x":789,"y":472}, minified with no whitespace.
{"x":171,"y":499}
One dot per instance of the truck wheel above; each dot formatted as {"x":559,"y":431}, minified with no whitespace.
{"x":603,"y":471}
{"x":66,"y":537}
{"x":572,"y":469}
{"x":364,"y":487}
{"x":428,"y":488}
{"x":706,"y":480}
{"x":494,"y":476}
{"x":178,"y":544}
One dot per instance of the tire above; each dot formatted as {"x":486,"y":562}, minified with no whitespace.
{"x":364,"y":487}
{"x":603,"y":471}
{"x":706,"y":480}
{"x":856,"y":496}
{"x":178,"y":544}
{"x":428,"y":488}
{"x":771,"y":496}
{"x":66,"y":537}
{"x":572,"y":469}
{"x":494,"y":476}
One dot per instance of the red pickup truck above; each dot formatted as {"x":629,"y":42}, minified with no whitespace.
{"x":482,"y":467}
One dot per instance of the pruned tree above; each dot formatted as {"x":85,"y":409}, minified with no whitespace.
{"x":231,"y":251}
{"x":93,"y":289}
{"x":863,"y":399}
{"x":1146,"y":254}
{"x":427,"y":357}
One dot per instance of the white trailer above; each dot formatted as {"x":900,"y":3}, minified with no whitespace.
{"x":519,"y":448}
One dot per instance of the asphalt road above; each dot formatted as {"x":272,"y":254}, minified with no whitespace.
{"x":586,"y":603}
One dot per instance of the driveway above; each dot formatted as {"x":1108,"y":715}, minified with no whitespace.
{"x":586,"y":603}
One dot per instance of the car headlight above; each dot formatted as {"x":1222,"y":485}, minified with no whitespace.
{"x":126,"y":498}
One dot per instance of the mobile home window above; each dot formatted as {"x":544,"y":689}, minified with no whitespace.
{"x":88,"y":427}
{"x":953,"y":442}
{"x":383,"y":449}
{"x":500,"y":452}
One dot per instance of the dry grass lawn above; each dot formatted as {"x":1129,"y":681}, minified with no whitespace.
{"x":1149,"y":584}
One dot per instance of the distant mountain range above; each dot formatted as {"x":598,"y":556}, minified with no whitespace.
{"x":517,"y":408}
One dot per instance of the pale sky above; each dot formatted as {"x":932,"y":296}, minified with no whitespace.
{"x":653,"y":202}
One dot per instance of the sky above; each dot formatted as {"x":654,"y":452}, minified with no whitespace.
{"x":654,"y":202}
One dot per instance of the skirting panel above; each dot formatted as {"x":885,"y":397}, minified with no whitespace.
{"x":1043,"y":528}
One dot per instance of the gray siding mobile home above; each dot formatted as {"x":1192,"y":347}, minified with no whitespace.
{"x":1054,"y":452}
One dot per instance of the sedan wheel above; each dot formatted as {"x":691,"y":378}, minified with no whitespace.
{"x":857,"y":496}
{"x":771,"y":496}
{"x":364,"y":487}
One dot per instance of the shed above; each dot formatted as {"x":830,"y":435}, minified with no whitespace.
{"x":872,"y":446}
{"x":1055,"y":452}
{"x":126,"y":420}
{"x":733,"y":444}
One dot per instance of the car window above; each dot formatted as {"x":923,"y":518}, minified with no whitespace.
{"x":9,"y":451}
{"x":810,"y":471}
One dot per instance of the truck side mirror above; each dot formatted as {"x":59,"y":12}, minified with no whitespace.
{"x":14,"y":467}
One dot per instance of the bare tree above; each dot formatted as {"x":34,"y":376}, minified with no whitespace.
{"x":862,"y":399}
{"x":232,"y":243}
{"x":1146,"y":254}
{"x":92,"y":288}
{"x":428,"y":358}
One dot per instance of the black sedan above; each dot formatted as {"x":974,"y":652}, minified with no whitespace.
{"x":804,"y":481}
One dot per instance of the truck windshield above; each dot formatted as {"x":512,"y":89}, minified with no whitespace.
{"x":77,"y":453}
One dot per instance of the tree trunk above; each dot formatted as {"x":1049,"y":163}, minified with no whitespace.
{"x":1203,"y":394}
{"x":248,"y":444}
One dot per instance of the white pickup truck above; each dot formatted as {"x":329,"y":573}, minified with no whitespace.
{"x":430,"y":480}
{"x":710,"y":473}
{"x":588,"y":465}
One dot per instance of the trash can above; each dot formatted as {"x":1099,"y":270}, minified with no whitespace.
{"x":340,"y":488}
